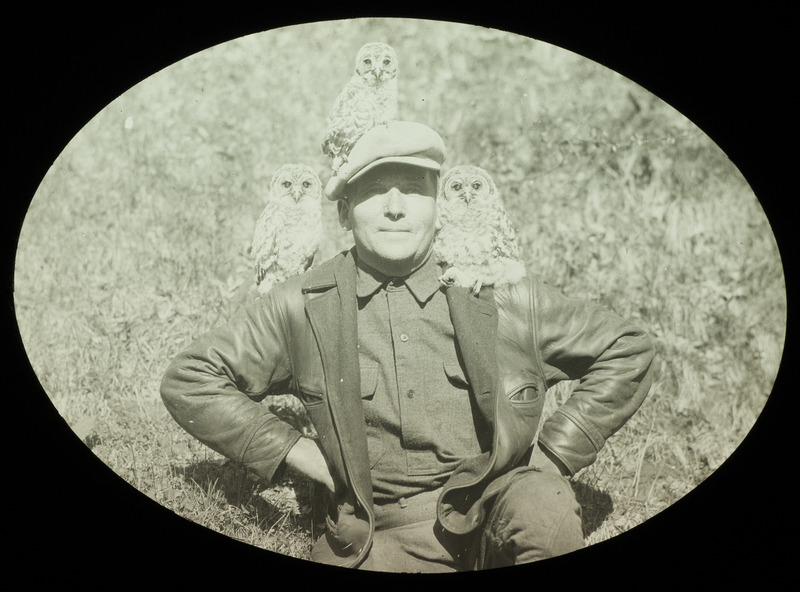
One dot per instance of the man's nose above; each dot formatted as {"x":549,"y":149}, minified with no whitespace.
{"x":395,"y":204}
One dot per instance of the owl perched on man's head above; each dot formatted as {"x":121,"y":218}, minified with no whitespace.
{"x":368,"y":99}
{"x":288,"y":231}
{"x":475,"y":242}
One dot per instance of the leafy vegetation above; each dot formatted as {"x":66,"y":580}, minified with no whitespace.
{"x":136,"y":243}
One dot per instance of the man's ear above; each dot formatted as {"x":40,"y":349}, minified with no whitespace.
{"x":344,"y":210}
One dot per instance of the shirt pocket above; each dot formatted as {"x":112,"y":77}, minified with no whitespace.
{"x":369,"y":386}
{"x":455,"y":375}
{"x":453,"y":421}
{"x":310,"y":392}
{"x":369,"y":382}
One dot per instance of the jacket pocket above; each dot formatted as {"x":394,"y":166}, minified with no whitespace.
{"x":526,"y":398}
{"x":525,"y":394}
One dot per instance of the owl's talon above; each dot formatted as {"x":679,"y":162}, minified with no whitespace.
{"x":451,"y":277}
{"x":447,"y":279}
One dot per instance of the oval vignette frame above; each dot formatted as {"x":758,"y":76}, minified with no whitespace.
{"x":46,"y":348}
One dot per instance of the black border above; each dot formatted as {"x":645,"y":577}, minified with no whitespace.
{"x":729,"y":73}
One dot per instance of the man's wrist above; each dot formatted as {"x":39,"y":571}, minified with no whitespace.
{"x":547,"y":462}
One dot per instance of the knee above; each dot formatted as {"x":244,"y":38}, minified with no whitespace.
{"x":536,"y":516}
{"x":540,"y":497}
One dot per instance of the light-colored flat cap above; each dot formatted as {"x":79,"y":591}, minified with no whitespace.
{"x":405,"y":142}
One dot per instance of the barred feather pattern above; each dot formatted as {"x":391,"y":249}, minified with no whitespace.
{"x":368,"y":99}
{"x":289,"y":229}
{"x":475,"y":243}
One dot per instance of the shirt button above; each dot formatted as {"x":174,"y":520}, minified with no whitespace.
{"x":403,"y":337}
{"x":410,"y":394}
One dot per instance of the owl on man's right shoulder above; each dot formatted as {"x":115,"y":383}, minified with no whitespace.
{"x":289,"y":229}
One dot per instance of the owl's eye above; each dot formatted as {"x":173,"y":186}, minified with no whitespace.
{"x":387,"y":61}
{"x":287,"y":184}
{"x":368,"y":61}
{"x":476,"y":185}
{"x":306,"y":184}
{"x":456,"y":186}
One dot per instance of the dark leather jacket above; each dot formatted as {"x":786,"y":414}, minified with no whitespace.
{"x":514,"y":342}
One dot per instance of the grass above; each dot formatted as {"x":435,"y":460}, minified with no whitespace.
{"x":617,"y":198}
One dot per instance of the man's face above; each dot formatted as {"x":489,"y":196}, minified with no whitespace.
{"x":391,"y":210}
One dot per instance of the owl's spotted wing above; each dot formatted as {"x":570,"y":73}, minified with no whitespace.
{"x":504,"y":236}
{"x":352,"y":114}
{"x":264,"y":247}
{"x":504,"y":265}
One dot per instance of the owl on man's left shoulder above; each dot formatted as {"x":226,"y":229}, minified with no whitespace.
{"x":475,"y":242}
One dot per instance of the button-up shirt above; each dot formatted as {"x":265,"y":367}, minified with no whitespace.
{"x":417,"y":405}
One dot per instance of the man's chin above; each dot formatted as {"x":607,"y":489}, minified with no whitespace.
{"x":396,"y":263}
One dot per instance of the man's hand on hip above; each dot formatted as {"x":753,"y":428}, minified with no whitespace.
{"x":306,"y":458}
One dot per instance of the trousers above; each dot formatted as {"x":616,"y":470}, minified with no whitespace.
{"x":534,"y":516}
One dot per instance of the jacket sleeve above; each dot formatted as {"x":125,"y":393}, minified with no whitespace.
{"x":609,"y":356}
{"x":213,"y":389}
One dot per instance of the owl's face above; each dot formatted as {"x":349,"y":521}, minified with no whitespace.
{"x":376,"y":62}
{"x":296,"y":183}
{"x":465,"y":184}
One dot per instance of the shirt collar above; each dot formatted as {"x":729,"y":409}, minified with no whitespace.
{"x":422,"y":284}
